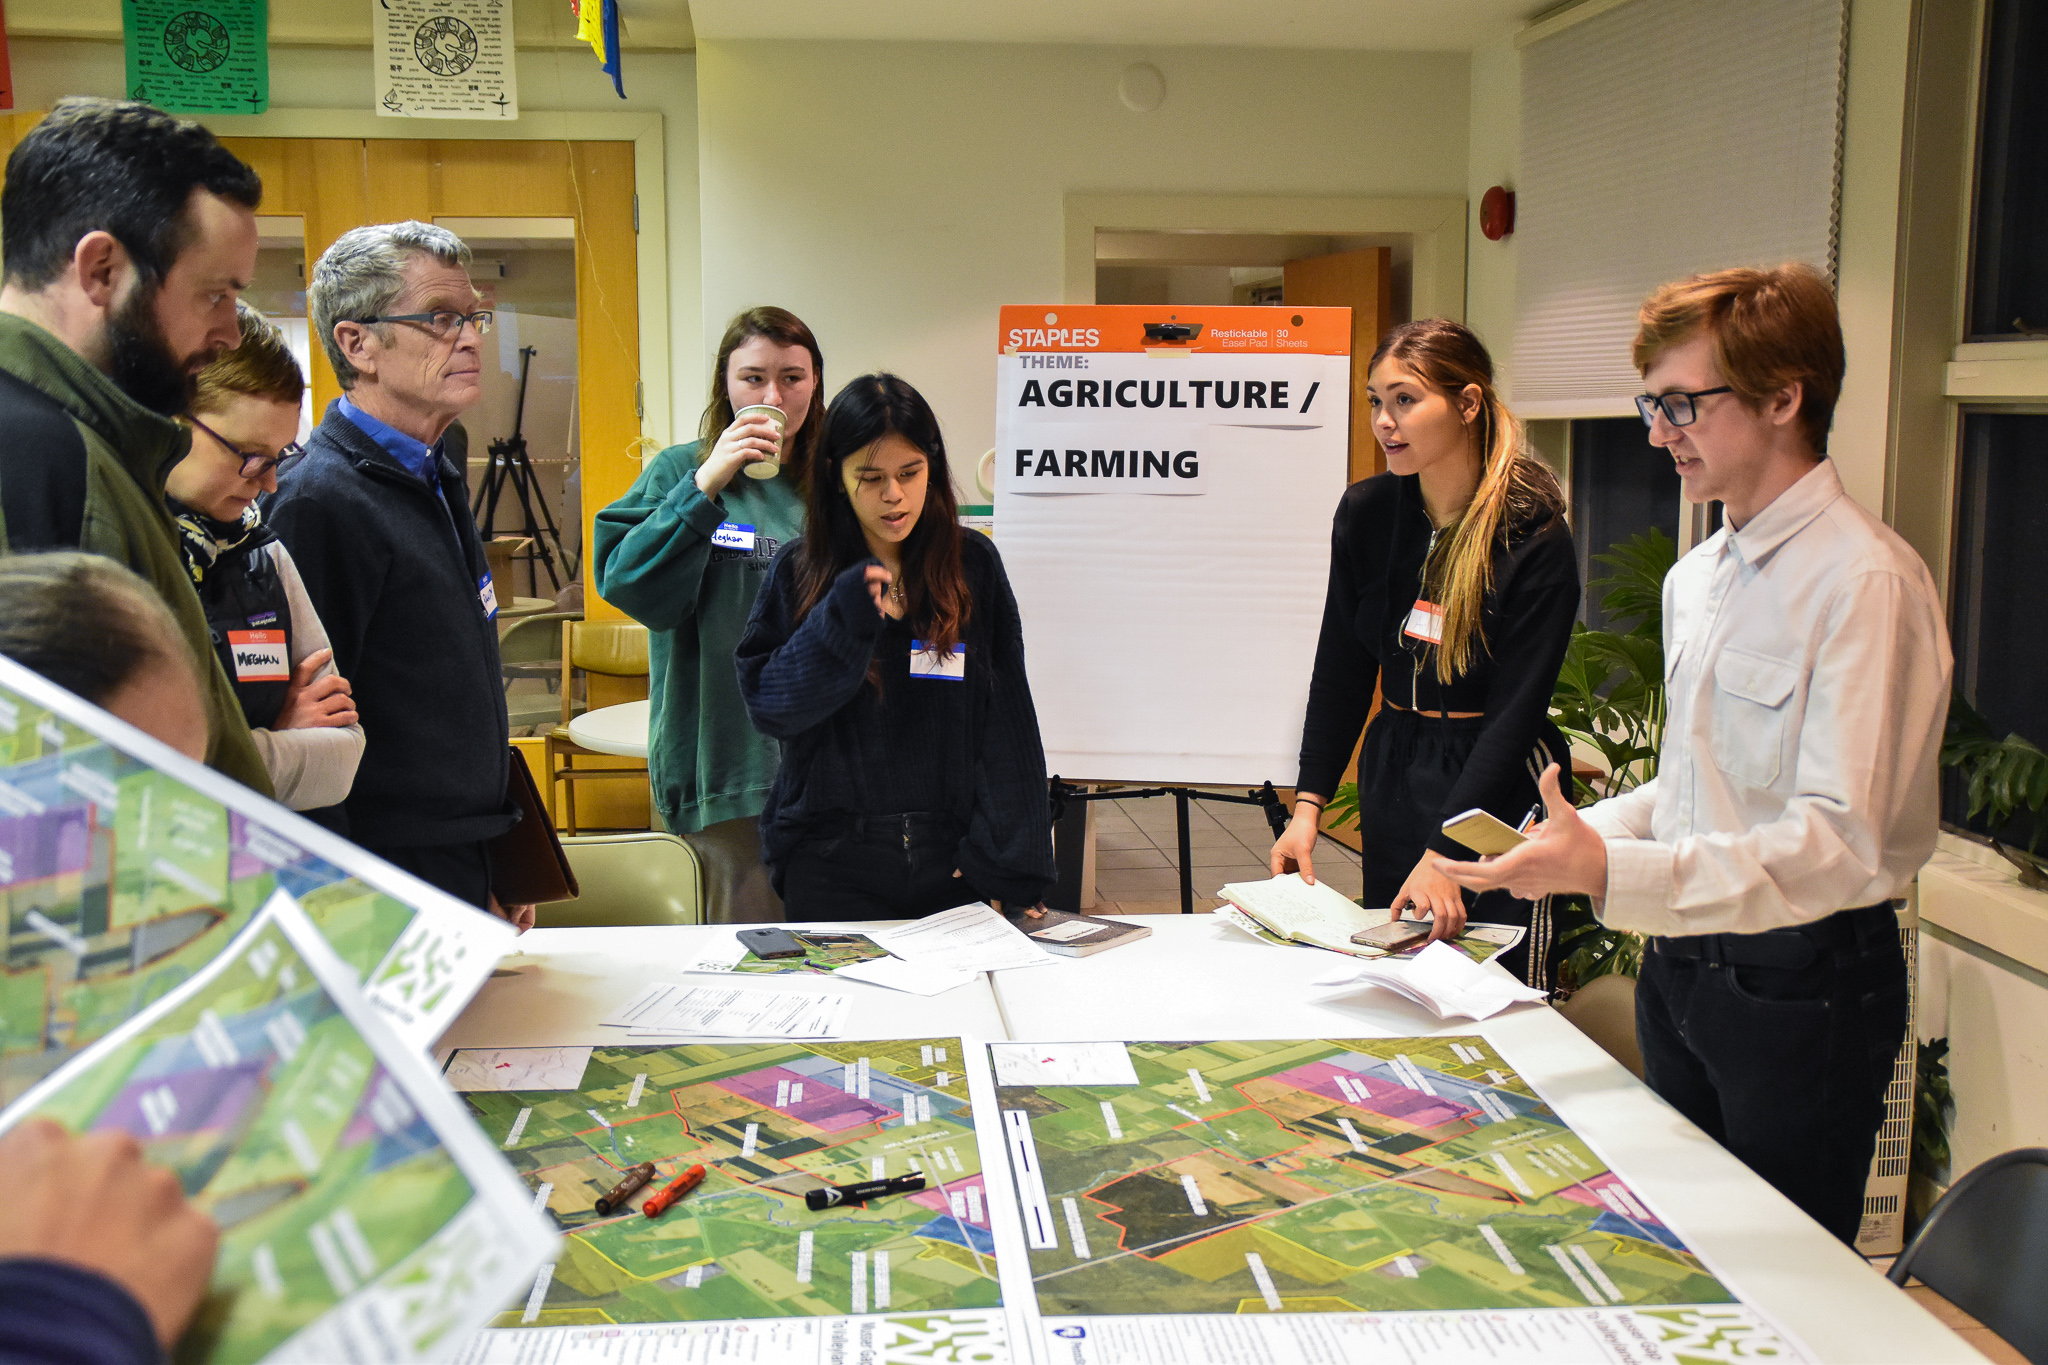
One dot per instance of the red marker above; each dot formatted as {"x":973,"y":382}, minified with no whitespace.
{"x":657,"y":1204}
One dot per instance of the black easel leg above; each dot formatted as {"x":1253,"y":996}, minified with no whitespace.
{"x":1187,"y":872}
{"x":1069,"y":855}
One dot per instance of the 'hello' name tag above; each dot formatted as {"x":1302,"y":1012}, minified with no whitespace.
{"x":487,"y":593}
{"x":925,"y":663}
{"x":259,"y":656}
{"x":730,"y":535}
{"x":1425,"y":622}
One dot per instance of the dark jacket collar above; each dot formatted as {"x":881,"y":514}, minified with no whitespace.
{"x":145,"y":443}
{"x":364,"y":452}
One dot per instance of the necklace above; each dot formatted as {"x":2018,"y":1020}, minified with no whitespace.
{"x":896,"y":591}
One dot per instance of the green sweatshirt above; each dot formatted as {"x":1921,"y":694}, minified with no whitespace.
{"x":128,"y":450}
{"x":657,"y":563}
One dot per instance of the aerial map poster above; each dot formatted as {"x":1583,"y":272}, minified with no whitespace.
{"x":363,"y":1217}
{"x":125,"y":867}
{"x":1392,"y":1199}
{"x":741,"y":1259}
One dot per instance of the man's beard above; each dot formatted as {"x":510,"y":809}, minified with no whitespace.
{"x":140,"y":360}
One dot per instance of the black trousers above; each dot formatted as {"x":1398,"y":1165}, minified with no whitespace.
{"x":1406,"y":771}
{"x":877,"y":867}
{"x":462,"y":870}
{"x":1780,"y":1045}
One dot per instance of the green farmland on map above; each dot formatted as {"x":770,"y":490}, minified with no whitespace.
{"x":1330,"y":1176}
{"x":769,"y":1122}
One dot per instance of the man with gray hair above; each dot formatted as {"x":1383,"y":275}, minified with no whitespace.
{"x":377,"y":518}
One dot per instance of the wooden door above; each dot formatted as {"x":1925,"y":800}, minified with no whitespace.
{"x":340,"y":183}
{"x":1363,"y":282}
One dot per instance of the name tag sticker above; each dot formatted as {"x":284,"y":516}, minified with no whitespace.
{"x":487,"y":593}
{"x":730,"y":535}
{"x":925,"y":663}
{"x":259,"y":656}
{"x":1425,"y":622}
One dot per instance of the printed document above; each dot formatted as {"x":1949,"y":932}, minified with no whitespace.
{"x":973,"y":938}
{"x":665,"y":1009}
{"x":1441,"y":979}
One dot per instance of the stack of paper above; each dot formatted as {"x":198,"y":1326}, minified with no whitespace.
{"x":666,"y":1010}
{"x":1441,"y":979}
{"x":973,"y":938}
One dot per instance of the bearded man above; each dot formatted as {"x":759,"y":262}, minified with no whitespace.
{"x":126,"y":236}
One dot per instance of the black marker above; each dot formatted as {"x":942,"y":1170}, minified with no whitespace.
{"x":831,"y":1196}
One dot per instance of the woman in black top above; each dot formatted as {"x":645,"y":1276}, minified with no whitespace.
{"x":886,"y":653}
{"x":1453,"y":583}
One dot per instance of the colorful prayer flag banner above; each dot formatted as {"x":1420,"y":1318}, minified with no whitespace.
{"x":597,"y":23}
{"x":198,"y":56}
{"x":445,"y":59}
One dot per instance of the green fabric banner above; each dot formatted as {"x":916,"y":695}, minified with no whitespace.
{"x":199,"y":56}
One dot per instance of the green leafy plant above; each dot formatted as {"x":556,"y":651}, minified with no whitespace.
{"x":1610,"y":691}
{"x":1934,"y":1107}
{"x":2008,"y":781}
{"x":1610,"y":696}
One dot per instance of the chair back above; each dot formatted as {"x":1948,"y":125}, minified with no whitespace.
{"x":617,"y":649}
{"x":634,"y":878}
{"x":532,"y":640}
{"x":1984,"y":1248}
{"x":1604,"y":1009}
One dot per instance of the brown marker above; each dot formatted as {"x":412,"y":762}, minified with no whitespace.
{"x":636,"y":1176}
{"x":658,"y":1204}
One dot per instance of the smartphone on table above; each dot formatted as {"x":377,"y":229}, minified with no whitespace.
{"x":1394,"y":935}
{"x":769,"y":944}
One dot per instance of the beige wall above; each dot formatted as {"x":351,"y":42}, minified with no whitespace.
{"x":1495,"y":156}
{"x":339,"y":78}
{"x":896,"y":195}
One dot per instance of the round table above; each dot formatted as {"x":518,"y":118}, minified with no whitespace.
{"x":614,"y":729}
{"x":525,"y":606}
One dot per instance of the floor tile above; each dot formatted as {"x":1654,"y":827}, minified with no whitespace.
{"x":1139,"y":883}
{"x":1116,"y":859}
{"x":1121,"y":838}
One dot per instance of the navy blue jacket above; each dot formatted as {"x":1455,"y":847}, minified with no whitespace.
{"x":395,"y":573}
{"x":968,"y":749}
{"x":52,"y":1313}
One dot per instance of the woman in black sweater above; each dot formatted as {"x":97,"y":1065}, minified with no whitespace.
{"x":886,"y":653}
{"x":1453,"y":584}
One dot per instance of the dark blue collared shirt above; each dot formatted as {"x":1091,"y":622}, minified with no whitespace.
{"x":422,"y":459}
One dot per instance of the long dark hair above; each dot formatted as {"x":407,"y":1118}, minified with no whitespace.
{"x":1512,"y":483}
{"x":937,"y":602}
{"x":784,"y":328}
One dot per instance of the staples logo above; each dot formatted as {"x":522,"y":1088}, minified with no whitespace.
{"x":1054,"y":338}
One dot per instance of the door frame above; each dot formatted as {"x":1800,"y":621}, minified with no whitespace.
{"x":650,"y":188}
{"x":1435,"y":223}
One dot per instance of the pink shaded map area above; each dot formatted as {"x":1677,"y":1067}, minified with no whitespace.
{"x":824,"y":1106}
{"x":1411,"y":1107}
{"x":936,"y":1199}
{"x":48,"y":844}
{"x":1587,"y":1192}
{"x":205,"y":1098}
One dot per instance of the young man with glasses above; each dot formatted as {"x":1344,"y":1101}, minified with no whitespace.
{"x":128,"y":235}
{"x":376,"y":515}
{"x":1807,"y":677}
{"x":265,"y":630}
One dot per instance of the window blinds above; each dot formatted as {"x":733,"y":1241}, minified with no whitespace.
{"x":1662,"y":138}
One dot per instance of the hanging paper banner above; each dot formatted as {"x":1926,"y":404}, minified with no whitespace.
{"x":445,"y":59}
{"x":198,"y":56}
{"x":6,"y":65}
{"x":597,"y":23}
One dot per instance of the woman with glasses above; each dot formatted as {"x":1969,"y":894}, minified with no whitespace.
{"x":264,"y":628}
{"x":1453,"y":585}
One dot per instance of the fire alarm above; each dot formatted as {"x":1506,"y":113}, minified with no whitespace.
{"x":1497,"y":213}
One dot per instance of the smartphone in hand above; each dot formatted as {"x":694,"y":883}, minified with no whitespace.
{"x":1483,"y":833}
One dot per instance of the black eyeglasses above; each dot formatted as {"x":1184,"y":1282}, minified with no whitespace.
{"x":443,"y":323}
{"x":1680,"y":409}
{"x":254,"y":466}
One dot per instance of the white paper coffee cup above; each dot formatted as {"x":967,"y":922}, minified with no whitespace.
{"x":763,"y":469}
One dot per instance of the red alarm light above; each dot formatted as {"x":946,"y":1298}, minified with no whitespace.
{"x":1497,"y":213}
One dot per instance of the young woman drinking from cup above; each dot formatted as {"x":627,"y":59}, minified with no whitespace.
{"x":1453,"y":584}
{"x":684,"y":552}
{"x":245,"y":421}
{"x":887,"y":655}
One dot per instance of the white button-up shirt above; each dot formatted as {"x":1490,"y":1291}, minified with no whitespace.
{"x":1806,"y":667}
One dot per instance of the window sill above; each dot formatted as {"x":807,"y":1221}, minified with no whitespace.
{"x":2012,"y":370}
{"x":1972,"y":892}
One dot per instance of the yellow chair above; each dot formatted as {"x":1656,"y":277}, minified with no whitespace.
{"x":599,"y":649}
{"x":628,"y":879}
